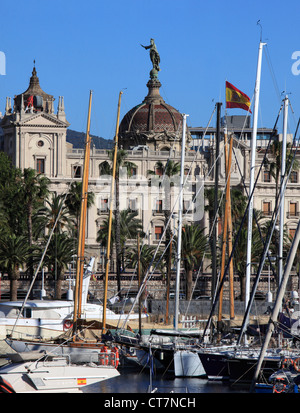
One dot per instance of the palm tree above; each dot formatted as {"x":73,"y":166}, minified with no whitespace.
{"x":54,"y":210}
{"x":275,"y":163}
{"x":169,"y":170}
{"x":107,"y":170}
{"x":129,"y":227}
{"x":73,"y":200}
{"x":59,"y":254}
{"x":14,"y":252}
{"x":240,"y":251}
{"x":35,"y":188}
{"x":194,"y":245}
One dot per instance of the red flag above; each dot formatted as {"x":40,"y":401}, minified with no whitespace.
{"x":236,"y":99}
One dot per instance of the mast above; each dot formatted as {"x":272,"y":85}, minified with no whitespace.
{"x":177,"y":287}
{"x":139,"y":281}
{"x":282,"y":192}
{"x":278,"y":303}
{"x":231,"y":278}
{"x":112,"y":191}
{"x":252,"y":173}
{"x":82,"y":224}
{"x":226,"y":218}
{"x":214,"y":233}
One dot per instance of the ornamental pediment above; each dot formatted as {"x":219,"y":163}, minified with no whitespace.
{"x":42,"y":120}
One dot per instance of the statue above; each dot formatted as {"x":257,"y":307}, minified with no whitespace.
{"x":154,"y":57}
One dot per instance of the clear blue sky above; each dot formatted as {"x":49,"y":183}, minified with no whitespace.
{"x":95,"y":44}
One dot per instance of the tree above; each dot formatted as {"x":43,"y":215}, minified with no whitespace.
{"x":167,"y":171}
{"x":14,"y":252}
{"x":193,"y":246}
{"x":35,"y":188}
{"x":54,"y":210}
{"x":130,"y":225}
{"x":73,"y":200}
{"x":59,"y":254}
{"x":275,"y":163}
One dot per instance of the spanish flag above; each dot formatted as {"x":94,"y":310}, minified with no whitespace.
{"x":236,"y":99}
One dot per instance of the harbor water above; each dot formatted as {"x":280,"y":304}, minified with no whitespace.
{"x":133,"y":380}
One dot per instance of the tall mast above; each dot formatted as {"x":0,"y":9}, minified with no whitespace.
{"x":252,"y":173}
{"x":82,"y":224}
{"x":178,"y":263}
{"x":214,"y":233}
{"x":112,"y":191}
{"x":283,"y":160}
{"x":227,"y":221}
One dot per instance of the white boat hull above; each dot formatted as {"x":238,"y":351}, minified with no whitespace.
{"x":55,"y":376}
{"x":187,"y":364}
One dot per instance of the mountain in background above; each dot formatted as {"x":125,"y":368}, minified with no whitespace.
{"x":78,"y":140}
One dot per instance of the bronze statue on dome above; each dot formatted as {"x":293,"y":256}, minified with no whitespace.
{"x":154,"y":57}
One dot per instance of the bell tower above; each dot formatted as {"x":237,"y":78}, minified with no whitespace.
{"x":35,"y":136}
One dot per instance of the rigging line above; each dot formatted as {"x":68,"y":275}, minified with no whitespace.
{"x":268,"y":58}
{"x":284,"y":182}
{"x":234,"y":245}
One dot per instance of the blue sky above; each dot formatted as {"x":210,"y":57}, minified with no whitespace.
{"x":95,"y":45}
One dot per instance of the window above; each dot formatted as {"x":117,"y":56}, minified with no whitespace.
{"x":158,"y":205}
{"x":187,"y":206}
{"x":292,"y":232}
{"x":158,"y":233}
{"x":132,"y":204}
{"x":104,"y":205}
{"x":294,"y":177}
{"x":293,"y":209}
{"x":132,"y":171}
{"x":267,"y":176}
{"x":158,"y":171}
{"x":77,"y":171}
{"x":266,"y":207}
{"x":40,"y":165}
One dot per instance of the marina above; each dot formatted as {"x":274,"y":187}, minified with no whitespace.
{"x":162,"y":261}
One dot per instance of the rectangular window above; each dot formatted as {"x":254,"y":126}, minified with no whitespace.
{"x":158,"y":171}
{"x":158,"y":232}
{"x":294,"y":177}
{"x":133,"y":171}
{"x":158,"y":205}
{"x":132,"y":204}
{"x":266,"y":207}
{"x":293,"y":209}
{"x":267,"y":176}
{"x":40,"y":165}
{"x":104,"y":205}
{"x":77,"y":171}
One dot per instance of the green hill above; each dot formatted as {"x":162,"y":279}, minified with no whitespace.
{"x":78,"y":140}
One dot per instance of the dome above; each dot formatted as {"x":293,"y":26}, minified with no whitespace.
{"x":153,"y":122}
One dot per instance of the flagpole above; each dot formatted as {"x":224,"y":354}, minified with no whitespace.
{"x":252,"y":174}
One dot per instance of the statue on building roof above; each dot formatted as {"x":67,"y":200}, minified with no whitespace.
{"x":154,"y":57}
